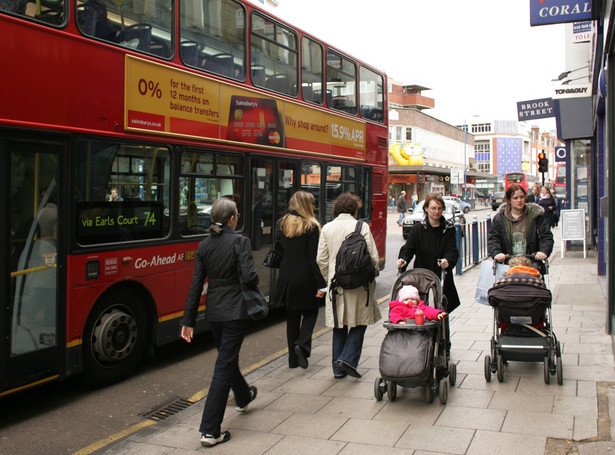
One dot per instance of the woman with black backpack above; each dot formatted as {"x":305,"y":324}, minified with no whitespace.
{"x":348,"y":311}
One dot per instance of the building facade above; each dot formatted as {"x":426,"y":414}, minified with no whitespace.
{"x":426,"y":154}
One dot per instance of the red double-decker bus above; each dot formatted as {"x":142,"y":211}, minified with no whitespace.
{"x":120,"y":123}
{"x":520,"y":178}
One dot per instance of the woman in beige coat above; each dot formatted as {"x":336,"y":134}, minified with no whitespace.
{"x":356,"y":308}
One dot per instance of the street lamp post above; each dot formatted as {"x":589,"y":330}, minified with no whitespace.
{"x":465,"y":146}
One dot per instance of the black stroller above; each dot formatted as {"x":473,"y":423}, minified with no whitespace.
{"x":522,"y":325}
{"x":414,"y":355}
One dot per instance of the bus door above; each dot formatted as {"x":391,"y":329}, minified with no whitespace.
{"x":273,"y":182}
{"x":33,"y":213}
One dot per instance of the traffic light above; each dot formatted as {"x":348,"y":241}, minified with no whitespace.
{"x":543,"y":163}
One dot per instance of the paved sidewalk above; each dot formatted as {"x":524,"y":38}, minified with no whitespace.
{"x":309,"y":412}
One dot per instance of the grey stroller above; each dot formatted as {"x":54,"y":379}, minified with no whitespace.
{"x":414,"y":355}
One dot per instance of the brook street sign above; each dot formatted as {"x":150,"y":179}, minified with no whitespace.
{"x":544,"y":12}
{"x":535,"y":109}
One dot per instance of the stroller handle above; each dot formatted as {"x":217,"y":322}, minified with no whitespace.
{"x":443,"y":272}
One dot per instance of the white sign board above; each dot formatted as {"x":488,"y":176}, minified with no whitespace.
{"x":456,"y":176}
{"x":572,"y":223}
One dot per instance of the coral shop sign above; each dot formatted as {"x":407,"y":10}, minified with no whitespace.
{"x":544,"y":12}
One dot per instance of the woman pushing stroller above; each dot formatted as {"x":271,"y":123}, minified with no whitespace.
{"x":519,"y":228}
{"x":433,"y":245}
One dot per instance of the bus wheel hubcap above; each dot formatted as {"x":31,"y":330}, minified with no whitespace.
{"x":114,"y":337}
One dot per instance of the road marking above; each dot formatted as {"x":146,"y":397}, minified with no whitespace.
{"x":106,"y":441}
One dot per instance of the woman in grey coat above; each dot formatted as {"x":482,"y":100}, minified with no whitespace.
{"x":355,"y":308}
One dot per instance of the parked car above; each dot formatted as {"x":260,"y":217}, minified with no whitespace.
{"x":451,"y":209}
{"x":465,"y":207}
{"x":498,"y":198}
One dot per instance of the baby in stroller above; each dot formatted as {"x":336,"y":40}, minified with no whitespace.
{"x":521,"y":264}
{"x":406,"y":306}
{"x":414,"y":355}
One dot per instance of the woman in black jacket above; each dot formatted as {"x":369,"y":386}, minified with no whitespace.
{"x":548,"y":203}
{"x":218,"y":260}
{"x":300,"y":281}
{"x":519,"y":228}
{"x":433,"y":243}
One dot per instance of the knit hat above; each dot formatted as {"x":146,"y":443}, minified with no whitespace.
{"x":408,"y":292}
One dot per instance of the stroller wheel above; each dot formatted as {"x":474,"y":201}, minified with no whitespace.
{"x":391,"y":390}
{"x":488,"y":368}
{"x":379,"y":386}
{"x":452,"y":374}
{"x":500,"y":368}
{"x":560,"y":373}
{"x":443,"y":391}
{"x":429,"y":393}
{"x":547,"y":374}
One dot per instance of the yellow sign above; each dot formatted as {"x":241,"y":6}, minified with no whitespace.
{"x":408,"y":154}
{"x":166,"y":100}
{"x":347,"y":134}
{"x":306,"y":128}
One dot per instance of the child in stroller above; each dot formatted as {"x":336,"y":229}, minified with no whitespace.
{"x":521,"y":264}
{"x":414,"y":355}
{"x":522,"y":321}
{"x":406,"y":306}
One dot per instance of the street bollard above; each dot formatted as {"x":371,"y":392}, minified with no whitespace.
{"x":475,"y":254}
{"x":458,"y":228}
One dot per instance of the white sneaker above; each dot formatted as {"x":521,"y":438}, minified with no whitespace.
{"x":253,"y":392}
{"x":209,"y":440}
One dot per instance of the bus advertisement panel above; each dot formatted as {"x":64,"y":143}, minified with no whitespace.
{"x":192,"y":105}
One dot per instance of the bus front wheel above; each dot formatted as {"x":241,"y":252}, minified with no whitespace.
{"x":115,"y":338}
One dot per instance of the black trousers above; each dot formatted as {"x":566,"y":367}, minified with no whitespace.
{"x":228,"y":336}
{"x":299,"y":329}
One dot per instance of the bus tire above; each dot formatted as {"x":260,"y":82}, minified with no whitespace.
{"x":115,"y":338}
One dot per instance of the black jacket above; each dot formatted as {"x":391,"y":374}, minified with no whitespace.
{"x":538,"y":234}
{"x":217,"y":261}
{"x":300,"y":276}
{"x":429,"y":244}
{"x":549,"y":214}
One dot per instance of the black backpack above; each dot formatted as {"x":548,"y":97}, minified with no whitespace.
{"x":353,"y":263}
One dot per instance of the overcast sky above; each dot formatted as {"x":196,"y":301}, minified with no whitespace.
{"x":479,"y":57}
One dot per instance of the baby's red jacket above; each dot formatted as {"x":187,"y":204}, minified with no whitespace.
{"x":400,"y":311}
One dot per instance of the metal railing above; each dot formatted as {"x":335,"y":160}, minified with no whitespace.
{"x":472,"y":243}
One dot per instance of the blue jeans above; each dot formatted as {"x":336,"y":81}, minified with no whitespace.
{"x":347,"y":346}
{"x":228,"y":336}
{"x":402,"y":215}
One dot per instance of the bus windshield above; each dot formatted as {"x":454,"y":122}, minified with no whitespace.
{"x":515,"y":177}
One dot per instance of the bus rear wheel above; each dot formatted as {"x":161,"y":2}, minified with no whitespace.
{"x":115,"y":338}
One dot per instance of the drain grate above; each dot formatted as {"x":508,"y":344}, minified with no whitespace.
{"x":168,"y":409}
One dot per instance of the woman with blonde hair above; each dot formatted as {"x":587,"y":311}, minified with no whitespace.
{"x":300,"y":280}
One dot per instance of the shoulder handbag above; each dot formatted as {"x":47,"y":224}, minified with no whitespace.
{"x":274,"y":255}
{"x":255,"y":301}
